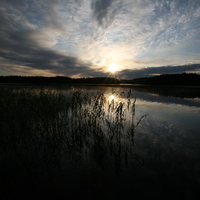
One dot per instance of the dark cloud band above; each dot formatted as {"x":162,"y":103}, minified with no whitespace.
{"x":152,"y":71}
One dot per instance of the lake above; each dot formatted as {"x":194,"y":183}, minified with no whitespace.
{"x":147,"y":146}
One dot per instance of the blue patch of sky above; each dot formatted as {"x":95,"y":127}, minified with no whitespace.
{"x":192,"y":47}
{"x":34,"y":13}
{"x":162,"y":8}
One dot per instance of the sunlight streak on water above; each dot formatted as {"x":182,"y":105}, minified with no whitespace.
{"x":111,"y":97}
{"x":105,"y":128}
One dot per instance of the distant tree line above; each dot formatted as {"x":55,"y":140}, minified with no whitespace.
{"x":165,"y":79}
{"x":57,"y":79}
{"x":170,"y":79}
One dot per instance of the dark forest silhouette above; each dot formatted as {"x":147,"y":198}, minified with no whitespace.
{"x":57,"y":79}
{"x":165,"y":79}
{"x":170,"y":79}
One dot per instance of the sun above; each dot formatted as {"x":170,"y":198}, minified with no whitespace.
{"x":113,"y":67}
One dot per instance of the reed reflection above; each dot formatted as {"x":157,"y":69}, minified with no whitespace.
{"x":51,"y":128}
{"x":50,"y":132}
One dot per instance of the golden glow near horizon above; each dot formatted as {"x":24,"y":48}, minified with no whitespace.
{"x":113,"y":67}
{"x":97,"y":38}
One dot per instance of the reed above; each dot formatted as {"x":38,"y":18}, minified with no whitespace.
{"x":44,"y":129}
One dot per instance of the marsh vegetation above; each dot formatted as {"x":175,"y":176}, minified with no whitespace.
{"x":85,"y":143}
{"x":45,"y":130}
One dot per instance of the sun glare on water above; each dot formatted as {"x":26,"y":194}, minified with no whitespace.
{"x":111,"y":97}
{"x":113,"y":67}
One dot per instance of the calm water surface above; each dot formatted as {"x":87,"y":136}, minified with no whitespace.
{"x":164,"y":162}
{"x":166,"y":149}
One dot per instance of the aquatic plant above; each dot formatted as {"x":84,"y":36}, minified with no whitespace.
{"x":44,"y":131}
{"x":49,"y":125}
{"x":50,"y":135}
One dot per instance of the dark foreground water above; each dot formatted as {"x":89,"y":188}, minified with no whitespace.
{"x":159,"y":159}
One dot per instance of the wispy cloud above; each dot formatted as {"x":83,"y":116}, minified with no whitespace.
{"x":82,"y":37}
{"x":104,"y":11}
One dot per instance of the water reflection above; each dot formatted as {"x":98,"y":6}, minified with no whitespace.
{"x":164,"y":147}
{"x":111,"y":97}
{"x":124,"y":139}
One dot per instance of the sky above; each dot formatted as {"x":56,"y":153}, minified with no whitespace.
{"x":86,"y":38}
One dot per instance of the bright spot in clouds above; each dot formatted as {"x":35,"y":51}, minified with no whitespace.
{"x":113,"y":67}
{"x":89,"y":38}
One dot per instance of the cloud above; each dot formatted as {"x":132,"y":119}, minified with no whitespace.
{"x":143,"y":27}
{"x":152,"y":71}
{"x":104,"y":11}
{"x":21,"y":48}
{"x":27,"y":46}
{"x":81,"y":37}
{"x":20,"y":4}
